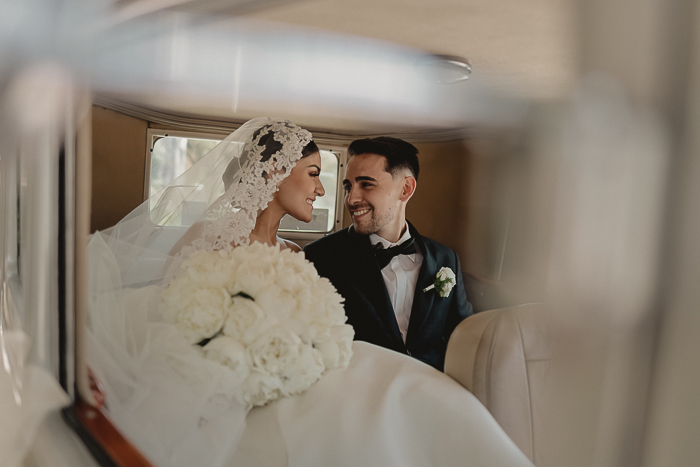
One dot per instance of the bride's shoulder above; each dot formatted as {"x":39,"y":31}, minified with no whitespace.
{"x":284,"y":244}
{"x":289,"y":244}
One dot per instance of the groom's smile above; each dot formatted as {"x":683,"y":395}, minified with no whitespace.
{"x":359,"y":213}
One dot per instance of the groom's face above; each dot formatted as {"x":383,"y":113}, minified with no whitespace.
{"x":372,"y":195}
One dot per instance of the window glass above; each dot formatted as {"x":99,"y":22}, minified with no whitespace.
{"x":172,"y":155}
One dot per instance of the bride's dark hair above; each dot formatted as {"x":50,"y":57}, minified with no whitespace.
{"x":272,"y":146}
{"x":309,"y":149}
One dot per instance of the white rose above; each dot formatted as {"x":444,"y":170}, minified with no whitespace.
{"x":447,"y":281}
{"x":198,"y":312}
{"x":246,"y":320}
{"x":445,"y":273}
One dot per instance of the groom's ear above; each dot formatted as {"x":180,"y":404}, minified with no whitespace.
{"x":409,"y":187}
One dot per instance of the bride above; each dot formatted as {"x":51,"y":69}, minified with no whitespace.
{"x":383,"y":409}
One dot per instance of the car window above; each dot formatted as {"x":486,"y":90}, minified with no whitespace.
{"x":171,"y":155}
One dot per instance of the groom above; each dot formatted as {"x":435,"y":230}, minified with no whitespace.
{"x":381,"y":264}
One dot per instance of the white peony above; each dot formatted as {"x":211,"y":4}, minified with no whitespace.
{"x":230,"y":352}
{"x":213,"y":270}
{"x":336,"y":346}
{"x":308,"y":300}
{"x":277,"y":302}
{"x":261,"y":387}
{"x":245,"y":320}
{"x":280,"y":365}
{"x":274,"y":351}
{"x":198,"y":312}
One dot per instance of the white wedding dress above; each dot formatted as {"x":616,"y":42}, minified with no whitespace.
{"x":181,"y":409}
{"x":385,"y":409}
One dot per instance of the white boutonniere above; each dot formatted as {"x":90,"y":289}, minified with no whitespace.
{"x":444,"y":281}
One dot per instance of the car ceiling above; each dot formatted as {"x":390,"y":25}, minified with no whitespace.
{"x":528,"y":49}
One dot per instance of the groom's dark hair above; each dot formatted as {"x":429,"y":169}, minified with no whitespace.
{"x":398,"y":153}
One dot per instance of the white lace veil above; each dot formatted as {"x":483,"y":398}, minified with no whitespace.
{"x":222,"y":194}
{"x":177,"y":407}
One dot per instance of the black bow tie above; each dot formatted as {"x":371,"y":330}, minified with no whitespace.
{"x":384,"y":255}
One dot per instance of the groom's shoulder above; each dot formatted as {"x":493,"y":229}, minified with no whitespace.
{"x":429,"y":242}
{"x":438,"y":249}
{"x":432,"y":245}
{"x":435,"y":245}
{"x":330,"y":242}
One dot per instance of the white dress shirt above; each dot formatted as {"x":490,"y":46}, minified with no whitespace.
{"x":400,"y":277}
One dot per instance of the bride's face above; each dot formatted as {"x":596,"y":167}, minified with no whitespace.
{"x":298,"y":191}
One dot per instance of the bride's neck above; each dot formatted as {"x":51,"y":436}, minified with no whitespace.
{"x":265,"y":230}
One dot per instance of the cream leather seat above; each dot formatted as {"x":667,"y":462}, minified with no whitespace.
{"x":502,"y":356}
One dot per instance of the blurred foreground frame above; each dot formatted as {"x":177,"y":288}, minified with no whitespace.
{"x":612,"y":195}
{"x":616,"y":175}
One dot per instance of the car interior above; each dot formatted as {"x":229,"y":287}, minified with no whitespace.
{"x":559,"y":157}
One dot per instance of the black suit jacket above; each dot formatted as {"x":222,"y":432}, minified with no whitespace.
{"x":346,"y":258}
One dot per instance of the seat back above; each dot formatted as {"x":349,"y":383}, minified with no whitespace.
{"x":502,"y":357}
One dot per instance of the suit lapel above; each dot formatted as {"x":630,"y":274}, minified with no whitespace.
{"x":422,"y":301}
{"x":368,"y":277}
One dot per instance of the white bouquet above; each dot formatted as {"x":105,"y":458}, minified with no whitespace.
{"x":263,"y":312}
